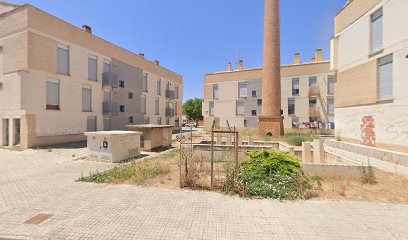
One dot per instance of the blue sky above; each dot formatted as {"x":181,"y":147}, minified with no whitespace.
{"x":194,"y":37}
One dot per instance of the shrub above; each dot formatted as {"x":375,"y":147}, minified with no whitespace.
{"x":269,"y":174}
{"x":297,"y":139}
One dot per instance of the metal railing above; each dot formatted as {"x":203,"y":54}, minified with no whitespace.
{"x":170,"y":94}
{"x":110,"y":108}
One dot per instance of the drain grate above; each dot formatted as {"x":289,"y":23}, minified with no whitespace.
{"x":38,"y":219}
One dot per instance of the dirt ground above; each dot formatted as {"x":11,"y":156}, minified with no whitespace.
{"x":389,"y":188}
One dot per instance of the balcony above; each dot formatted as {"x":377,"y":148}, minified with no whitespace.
{"x":170,"y":112}
{"x":170,"y":94}
{"x":314,"y":91}
{"x":110,"y":80}
{"x":110,"y":109}
{"x":314,"y":112}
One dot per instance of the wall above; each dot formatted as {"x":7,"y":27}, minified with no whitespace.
{"x":225,"y":105}
{"x":357,"y":76}
{"x":133,"y":78}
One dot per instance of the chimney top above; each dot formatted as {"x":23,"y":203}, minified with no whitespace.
{"x":319,"y":55}
{"x":157,"y":62}
{"x":142,"y":55}
{"x":297,"y":58}
{"x":241,"y":65}
{"x":87,"y":29}
{"x":229,"y":67}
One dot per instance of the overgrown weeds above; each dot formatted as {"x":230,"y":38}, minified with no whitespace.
{"x":297,"y":139}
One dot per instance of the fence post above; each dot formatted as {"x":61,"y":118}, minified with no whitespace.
{"x":318,"y":151}
{"x":212,"y":158}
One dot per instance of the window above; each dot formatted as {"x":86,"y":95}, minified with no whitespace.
{"x":330,"y":84}
{"x":330,"y":105}
{"x":254,"y":113}
{"x":385,"y":78}
{"x":86,"y":99}
{"x":312,"y":82}
{"x":53,"y":92}
{"x":175,"y":108}
{"x":130,"y":95}
{"x":291,"y":106}
{"x":62,"y":59}
{"x":215,"y":91}
{"x":167,"y":121}
{"x":159,"y":87}
{"x":176,"y":122}
{"x":145,"y":78}
{"x":92,"y":67}
{"x":253,"y":94}
{"x":259,"y":102}
{"x":91,"y":124}
{"x":157,"y":106}
{"x":122,"y":108}
{"x":377,"y":31}
{"x":131,"y":119}
{"x":242,"y":90}
{"x":121,"y":83}
{"x":312,"y":102}
{"x":159,"y":121}
{"x":147,"y":120}
{"x":106,"y":66}
{"x":176,"y":92}
{"x":295,"y":86}
{"x":211,"y":107}
{"x":240,"y":109}
{"x":143,"y":102}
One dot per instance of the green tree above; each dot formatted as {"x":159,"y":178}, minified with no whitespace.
{"x":192,"y":109}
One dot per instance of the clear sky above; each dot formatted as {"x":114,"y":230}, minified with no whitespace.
{"x":194,"y":37}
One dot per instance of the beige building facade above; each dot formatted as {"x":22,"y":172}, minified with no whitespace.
{"x":58,"y":81}
{"x":307,"y":96}
{"x":370,"y":54}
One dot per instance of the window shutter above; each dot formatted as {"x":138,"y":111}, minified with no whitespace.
{"x":385,"y":78}
{"x":63,"y":59}
{"x":91,"y":124}
{"x":377,"y":31}
{"x":53,"y":92}
{"x":92,"y":68}
{"x":86,"y":100}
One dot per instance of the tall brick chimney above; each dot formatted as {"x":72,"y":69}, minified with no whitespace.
{"x":229,"y":67}
{"x":271,"y":122}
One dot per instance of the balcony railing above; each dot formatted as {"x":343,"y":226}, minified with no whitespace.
{"x":110,"y":109}
{"x":170,"y":112}
{"x":314,"y":91}
{"x":170,"y":94}
{"x":314,"y":112}
{"x":110,"y":80}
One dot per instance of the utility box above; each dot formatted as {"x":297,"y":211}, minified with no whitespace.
{"x":154,"y":136}
{"x":113,"y":146}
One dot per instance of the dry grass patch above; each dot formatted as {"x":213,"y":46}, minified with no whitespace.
{"x":389,"y":188}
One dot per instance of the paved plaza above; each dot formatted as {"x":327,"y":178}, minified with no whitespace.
{"x":36,"y":182}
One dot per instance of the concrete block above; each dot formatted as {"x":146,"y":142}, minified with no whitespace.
{"x":318,"y":147}
{"x":307,"y":152}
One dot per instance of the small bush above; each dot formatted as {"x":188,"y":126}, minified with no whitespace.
{"x":297,"y":139}
{"x":269,"y":174}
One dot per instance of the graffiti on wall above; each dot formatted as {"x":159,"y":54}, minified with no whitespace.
{"x":368,"y":136}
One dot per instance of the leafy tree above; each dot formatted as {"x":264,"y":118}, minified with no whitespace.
{"x":193,"y":109}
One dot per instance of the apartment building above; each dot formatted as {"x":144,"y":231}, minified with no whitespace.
{"x":307,"y":95}
{"x":370,"y":54}
{"x":58,"y":81}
